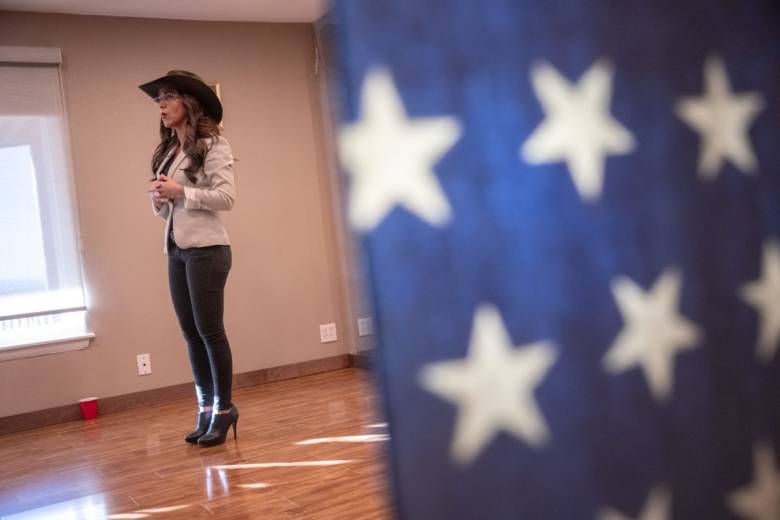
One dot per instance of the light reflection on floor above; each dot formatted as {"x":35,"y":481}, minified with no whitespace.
{"x":221,"y":477}
{"x":302,"y":464}
{"x":91,"y":507}
{"x":347,"y":438}
{"x":256,"y":485}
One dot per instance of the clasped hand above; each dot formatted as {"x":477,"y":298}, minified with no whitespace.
{"x":164,"y":189}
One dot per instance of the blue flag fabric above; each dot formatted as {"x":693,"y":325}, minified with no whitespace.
{"x":570,"y":220}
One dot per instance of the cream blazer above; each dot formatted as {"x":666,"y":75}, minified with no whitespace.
{"x":196,"y":221}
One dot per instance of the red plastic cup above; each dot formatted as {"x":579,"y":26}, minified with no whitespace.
{"x":89,"y":408}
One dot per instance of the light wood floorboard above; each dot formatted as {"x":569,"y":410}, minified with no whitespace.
{"x":135,"y":464}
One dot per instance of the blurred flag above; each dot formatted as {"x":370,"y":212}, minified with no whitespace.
{"x":570,"y":215}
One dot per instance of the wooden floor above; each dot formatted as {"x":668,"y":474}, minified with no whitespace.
{"x":309,"y":448}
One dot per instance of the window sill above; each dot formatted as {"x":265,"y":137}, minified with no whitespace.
{"x":49,"y":346}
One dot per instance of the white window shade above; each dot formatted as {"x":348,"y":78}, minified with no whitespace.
{"x":40,"y":271}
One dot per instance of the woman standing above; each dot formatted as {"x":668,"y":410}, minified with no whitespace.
{"x":193,"y":181}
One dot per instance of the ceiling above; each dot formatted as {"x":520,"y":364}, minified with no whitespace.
{"x":212,"y":10}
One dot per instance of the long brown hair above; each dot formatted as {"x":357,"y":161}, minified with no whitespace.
{"x":201,"y":132}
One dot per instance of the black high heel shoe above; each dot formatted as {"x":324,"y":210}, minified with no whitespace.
{"x":218,"y":429}
{"x":201,"y":427}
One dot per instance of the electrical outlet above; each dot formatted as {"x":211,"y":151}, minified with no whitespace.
{"x":144,"y":364}
{"x":328,"y":333}
{"x":365,"y":326}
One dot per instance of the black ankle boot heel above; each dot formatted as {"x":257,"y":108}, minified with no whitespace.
{"x":219,"y":427}
{"x":201,"y":427}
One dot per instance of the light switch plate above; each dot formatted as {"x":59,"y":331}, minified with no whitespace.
{"x":365,"y":326}
{"x":328,"y":333}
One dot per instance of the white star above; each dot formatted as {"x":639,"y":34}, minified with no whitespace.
{"x":760,"y":501}
{"x":391,"y":157}
{"x":578,"y":127}
{"x":492,"y":387}
{"x":722,"y":119}
{"x":653,"y":332}
{"x":656,"y":507}
{"x":764,"y":295}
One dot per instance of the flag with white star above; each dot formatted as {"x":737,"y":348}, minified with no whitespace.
{"x":569,"y":215}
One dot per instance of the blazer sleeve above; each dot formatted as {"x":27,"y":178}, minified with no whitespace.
{"x":161,"y":209}
{"x":219,"y":193}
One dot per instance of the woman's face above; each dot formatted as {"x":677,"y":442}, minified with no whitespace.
{"x":172,"y":111}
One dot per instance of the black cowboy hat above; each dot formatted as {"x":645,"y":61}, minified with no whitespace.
{"x":187,"y":83}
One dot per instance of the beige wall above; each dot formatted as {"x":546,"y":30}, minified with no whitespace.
{"x":286,"y":268}
{"x":355,"y":283}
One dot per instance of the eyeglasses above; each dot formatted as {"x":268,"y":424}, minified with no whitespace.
{"x":168,"y":97}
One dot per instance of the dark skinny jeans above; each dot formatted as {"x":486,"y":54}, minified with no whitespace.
{"x":197,"y":277}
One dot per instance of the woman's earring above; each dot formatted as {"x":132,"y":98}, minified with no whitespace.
{"x":173,"y":132}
